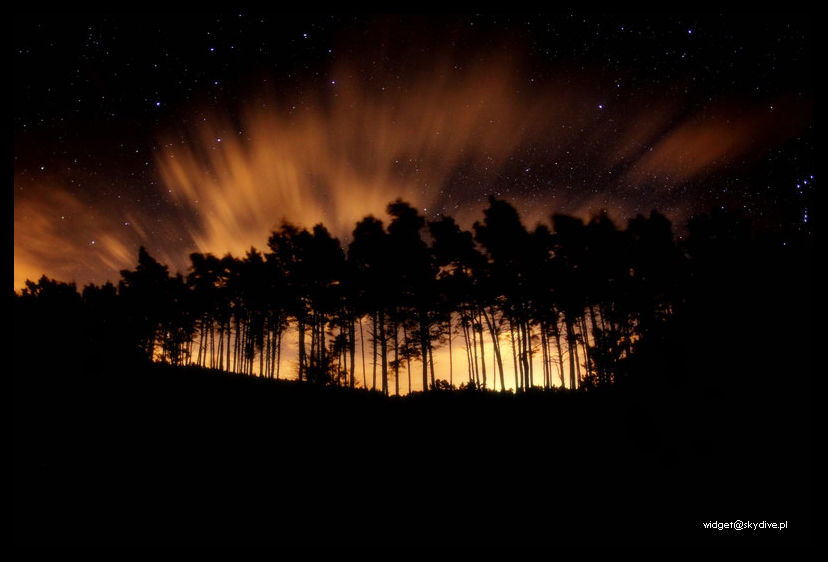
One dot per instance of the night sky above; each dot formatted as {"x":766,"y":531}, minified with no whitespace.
{"x":202,"y":133}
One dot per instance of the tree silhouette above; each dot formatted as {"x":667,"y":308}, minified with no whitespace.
{"x":566,"y":304}
{"x":368,"y":255}
{"x":158,"y":310}
{"x":458,"y":263}
{"x":622,"y":342}
{"x":413,"y":277}
{"x":508,"y":246}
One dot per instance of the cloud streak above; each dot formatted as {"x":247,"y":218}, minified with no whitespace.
{"x":438,"y":128}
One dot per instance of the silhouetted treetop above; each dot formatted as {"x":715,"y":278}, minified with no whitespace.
{"x":571,"y":303}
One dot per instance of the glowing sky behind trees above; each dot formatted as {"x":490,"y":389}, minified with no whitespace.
{"x":203,"y":133}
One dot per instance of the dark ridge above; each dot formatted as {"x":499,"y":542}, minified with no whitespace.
{"x":171,"y":456}
{"x":709,"y":422}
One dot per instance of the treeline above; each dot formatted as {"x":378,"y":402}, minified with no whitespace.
{"x":574,"y":304}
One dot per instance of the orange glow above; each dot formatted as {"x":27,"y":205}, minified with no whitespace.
{"x":348,"y":153}
{"x":440,"y":130}
{"x":449,"y":366}
{"x":55,"y":235}
{"x":716,"y":137}
{"x":58,"y":234}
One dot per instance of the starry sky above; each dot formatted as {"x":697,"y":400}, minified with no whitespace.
{"x":202,"y":133}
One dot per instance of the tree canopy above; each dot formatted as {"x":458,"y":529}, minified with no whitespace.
{"x":422,"y":304}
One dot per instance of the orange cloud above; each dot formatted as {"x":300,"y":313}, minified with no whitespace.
{"x":716,"y":137}
{"x":348,"y":153}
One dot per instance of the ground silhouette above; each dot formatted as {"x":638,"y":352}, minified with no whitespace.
{"x":708,"y":419}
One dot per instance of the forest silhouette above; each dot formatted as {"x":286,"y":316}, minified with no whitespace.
{"x":615,"y":381}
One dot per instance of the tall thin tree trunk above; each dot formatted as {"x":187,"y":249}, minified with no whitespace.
{"x":557,"y":335}
{"x":407,"y":357}
{"x":384,"y":351}
{"x":570,"y":342}
{"x":424,"y":341}
{"x":473,"y":335}
{"x":396,"y":359}
{"x":528,"y":355}
{"x":479,"y":328}
{"x":451,"y":358}
{"x":577,"y":362}
{"x":301,"y":326}
{"x":221,"y":348}
{"x":544,"y":356}
{"x":352,"y":347}
{"x":279,"y":351}
{"x":496,"y":345}
{"x":585,"y":345}
{"x":362,"y":350}
{"x":431,"y":362}
{"x":375,"y":342}
{"x":467,"y":340}
{"x":514,"y":354}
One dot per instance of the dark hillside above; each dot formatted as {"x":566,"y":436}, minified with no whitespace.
{"x":714,"y":425}
{"x":182,"y":457}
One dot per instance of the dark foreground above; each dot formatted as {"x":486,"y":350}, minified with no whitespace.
{"x":163,"y":457}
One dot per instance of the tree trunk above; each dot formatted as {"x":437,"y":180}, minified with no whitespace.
{"x":570,"y":341}
{"x":362,"y":350}
{"x":495,"y":333}
{"x":384,"y":352}
{"x":300,"y":321}
{"x":514,"y":354}
{"x":451,"y":359}
{"x":352,"y":347}
{"x":396,"y":358}
{"x":478,"y":326}
{"x":424,"y":348}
